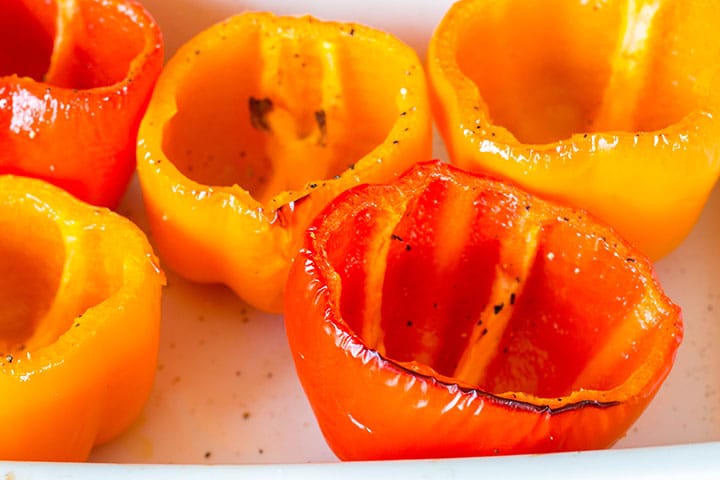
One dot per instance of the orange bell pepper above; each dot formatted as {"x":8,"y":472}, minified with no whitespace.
{"x":80,"y":307}
{"x":611,"y":106}
{"x":75,"y":77}
{"x":255,"y":125}
{"x":448,"y":314}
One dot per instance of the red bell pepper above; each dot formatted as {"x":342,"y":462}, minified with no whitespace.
{"x":75,"y":78}
{"x":449,"y":314}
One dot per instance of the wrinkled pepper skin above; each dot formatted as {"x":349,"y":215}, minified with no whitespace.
{"x":75,"y":78}
{"x":448,"y":314}
{"x":611,"y":106}
{"x":80,"y":296}
{"x":255,"y":125}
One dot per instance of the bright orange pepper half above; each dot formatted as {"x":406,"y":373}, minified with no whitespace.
{"x":612,"y":106}
{"x":75,"y":77}
{"x":79,"y":322}
{"x":257,"y":123}
{"x":448,"y":314}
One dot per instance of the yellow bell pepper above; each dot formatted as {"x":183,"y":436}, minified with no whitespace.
{"x":610,"y":106}
{"x":79,"y":332}
{"x":255,"y":125}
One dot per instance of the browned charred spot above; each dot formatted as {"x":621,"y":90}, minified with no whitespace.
{"x":259,"y":108}
{"x":321,"y":120}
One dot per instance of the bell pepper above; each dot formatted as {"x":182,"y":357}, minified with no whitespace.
{"x":448,"y":314}
{"x":610,"y":106}
{"x":255,"y":125}
{"x":80,"y":307}
{"x":75,"y":78}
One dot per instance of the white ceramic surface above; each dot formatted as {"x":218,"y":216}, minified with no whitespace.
{"x":226,"y":391}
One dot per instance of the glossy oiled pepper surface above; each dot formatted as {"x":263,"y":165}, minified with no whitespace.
{"x":258,"y":122}
{"x":447,"y":314}
{"x":75,"y":77}
{"x":611,"y":106}
{"x":79,"y":322}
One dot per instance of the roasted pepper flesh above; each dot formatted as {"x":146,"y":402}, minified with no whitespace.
{"x":75,"y":77}
{"x":428,"y":315}
{"x":255,"y":125}
{"x":80,"y":307}
{"x":608,"y":106}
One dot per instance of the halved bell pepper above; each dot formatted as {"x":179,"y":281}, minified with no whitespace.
{"x":79,"y":322}
{"x":610,"y":106}
{"x":448,"y":314}
{"x":257,"y":123}
{"x":75,"y":77}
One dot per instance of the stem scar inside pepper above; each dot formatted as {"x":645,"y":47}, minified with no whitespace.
{"x":259,"y":109}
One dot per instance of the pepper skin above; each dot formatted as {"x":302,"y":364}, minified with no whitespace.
{"x":448,"y":314}
{"x":75,"y":78}
{"x":610,"y":106}
{"x":255,"y":125}
{"x":79,"y":331}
